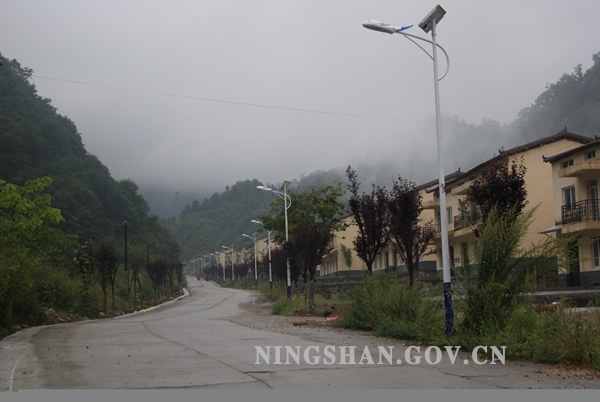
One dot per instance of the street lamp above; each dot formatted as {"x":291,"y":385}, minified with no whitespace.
{"x":204,"y":264}
{"x":287,"y":203}
{"x":253,"y":237}
{"x":429,"y":24}
{"x":232,"y":274}
{"x":216,"y":263}
{"x":216,"y":256}
{"x":269,"y":248}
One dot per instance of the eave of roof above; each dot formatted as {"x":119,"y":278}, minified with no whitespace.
{"x":562,"y":135}
{"x":562,"y":155}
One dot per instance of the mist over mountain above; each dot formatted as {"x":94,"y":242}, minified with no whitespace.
{"x":42,"y":142}
{"x":572,"y":102}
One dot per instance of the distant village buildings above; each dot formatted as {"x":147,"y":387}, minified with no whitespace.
{"x":562,"y":178}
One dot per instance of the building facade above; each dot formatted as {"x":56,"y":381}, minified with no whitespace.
{"x":576,"y":213}
{"x":462,"y":216}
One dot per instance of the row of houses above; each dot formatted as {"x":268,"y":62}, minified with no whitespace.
{"x":561,"y":180}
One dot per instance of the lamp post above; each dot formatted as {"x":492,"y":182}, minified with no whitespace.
{"x":269,"y":249}
{"x":253,"y":237}
{"x":232,"y":273}
{"x":429,"y":24}
{"x":216,"y":255}
{"x":204,"y":264}
{"x":287,"y":203}
{"x":216,"y":262}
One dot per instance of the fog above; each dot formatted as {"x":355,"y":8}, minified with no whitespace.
{"x":193,"y":96}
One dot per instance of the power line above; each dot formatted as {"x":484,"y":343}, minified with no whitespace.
{"x":264,"y":106}
{"x":214,"y":100}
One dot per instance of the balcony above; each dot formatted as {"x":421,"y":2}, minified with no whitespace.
{"x":467,"y":219}
{"x":580,"y":168}
{"x":581,"y":216}
{"x":432,"y":204}
{"x":431,"y":227}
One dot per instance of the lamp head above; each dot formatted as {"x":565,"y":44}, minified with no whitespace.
{"x":383,"y":27}
{"x":379,"y":26}
{"x":265,"y":188}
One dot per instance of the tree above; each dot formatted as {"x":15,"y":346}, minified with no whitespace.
{"x":83,"y":261}
{"x":410,"y":239}
{"x":369,"y":212}
{"x":312,"y":217}
{"x":507,"y":272}
{"x":107,"y":263}
{"x":29,"y":235}
{"x":500,"y":186}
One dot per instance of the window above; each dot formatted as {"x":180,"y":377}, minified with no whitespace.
{"x":449,"y":212}
{"x":568,"y":163}
{"x":590,"y":155}
{"x":569,"y":197}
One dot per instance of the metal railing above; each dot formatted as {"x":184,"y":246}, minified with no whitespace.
{"x":582,"y":211}
{"x":466,"y":219}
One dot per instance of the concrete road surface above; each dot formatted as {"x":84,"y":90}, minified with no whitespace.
{"x":191,"y":343}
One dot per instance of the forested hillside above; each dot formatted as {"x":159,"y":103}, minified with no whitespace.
{"x":573,"y":102}
{"x":204,"y":227}
{"x":54,"y":197}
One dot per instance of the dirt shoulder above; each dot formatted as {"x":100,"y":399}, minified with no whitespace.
{"x":513,"y":375}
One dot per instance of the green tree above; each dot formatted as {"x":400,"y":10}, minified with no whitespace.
{"x":28,"y":232}
{"x":312,"y":216}
{"x":506,"y":273}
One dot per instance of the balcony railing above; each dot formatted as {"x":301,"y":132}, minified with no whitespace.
{"x":466,"y":219}
{"x":582,"y":211}
{"x":431,"y":228}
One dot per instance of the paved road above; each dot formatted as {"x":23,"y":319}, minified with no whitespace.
{"x":191,"y":343}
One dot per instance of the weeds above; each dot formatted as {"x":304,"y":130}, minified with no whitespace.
{"x":394,"y":309}
{"x":492,"y":305}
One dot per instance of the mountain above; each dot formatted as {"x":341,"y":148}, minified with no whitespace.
{"x":35,"y":141}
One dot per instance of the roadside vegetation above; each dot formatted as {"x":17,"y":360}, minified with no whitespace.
{"x":499,"y":312}
{"x":64,"y":222}
{"x":492,"y":300}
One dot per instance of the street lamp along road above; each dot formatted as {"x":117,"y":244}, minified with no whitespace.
{"x":232,"y":273}
{"x":429,"y":24}
{"x":269,"y":248}
{"x":287,"y":204}
{"x":253,"y":237}
{"x":217,"y":261}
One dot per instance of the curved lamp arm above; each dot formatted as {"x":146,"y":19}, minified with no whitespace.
{"x":387,"y":28}
{"x":279,"y":194}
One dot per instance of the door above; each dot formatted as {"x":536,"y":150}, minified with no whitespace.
{"x":573,"y":278}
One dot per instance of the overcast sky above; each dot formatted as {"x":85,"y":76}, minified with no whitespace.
{"x":203,"y":93}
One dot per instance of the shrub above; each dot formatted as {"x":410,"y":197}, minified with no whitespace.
{"x":394,"y":309}
{"x":285,"y":306}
